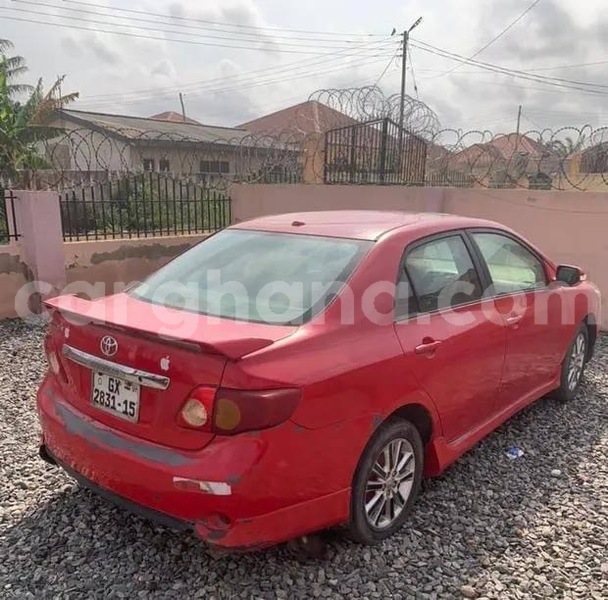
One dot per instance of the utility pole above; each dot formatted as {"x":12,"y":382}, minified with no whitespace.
{"x":518,"y":119}
{"x":406,"y":37}
{"x":181,"y":99}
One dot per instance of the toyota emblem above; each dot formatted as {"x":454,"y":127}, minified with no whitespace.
{"x":108,"y":345}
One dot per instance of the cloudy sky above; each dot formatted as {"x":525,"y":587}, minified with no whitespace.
{"x":245,"y":58}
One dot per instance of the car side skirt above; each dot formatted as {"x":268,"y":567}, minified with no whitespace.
{"x":440,"y":453}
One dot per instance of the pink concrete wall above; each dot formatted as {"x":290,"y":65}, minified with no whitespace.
{"x":36,"y":258}
{"x":13,"y":276}
{"x":105,"y":263}
{"x":39,"y":222}
{"x":250,"y":201}
{"x":571,"y":227}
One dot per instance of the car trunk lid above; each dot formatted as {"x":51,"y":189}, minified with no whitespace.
{"x":158,"y":354}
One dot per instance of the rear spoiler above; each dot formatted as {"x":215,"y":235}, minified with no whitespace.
{"x":121,"y":312}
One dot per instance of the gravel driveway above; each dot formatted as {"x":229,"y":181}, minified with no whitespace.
{"x":533,"y":527}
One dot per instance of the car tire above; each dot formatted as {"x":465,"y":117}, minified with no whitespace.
{"x":391,"y":480}
{"x":573,"y":365}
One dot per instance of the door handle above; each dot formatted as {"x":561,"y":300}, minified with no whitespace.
{"x":514,"y":320}
{"x":428,"y":346}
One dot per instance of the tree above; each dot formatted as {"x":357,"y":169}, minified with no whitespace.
{"x":567,"y":146}
{"x":22,"y":124}
{"x":13,"y":66}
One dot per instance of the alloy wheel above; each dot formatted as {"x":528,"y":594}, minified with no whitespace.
{"x":577,"y":361}
{"x":390,"y":483}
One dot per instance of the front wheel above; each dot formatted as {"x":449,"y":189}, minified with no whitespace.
{"x":386,"y":482}
{"x":573,"y":366}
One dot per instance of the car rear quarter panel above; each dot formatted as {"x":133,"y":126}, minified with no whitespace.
{"x":342,"y":375}
{"x":349,"y":389}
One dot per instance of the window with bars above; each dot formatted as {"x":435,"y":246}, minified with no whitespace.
{"x":148,"y":164}
{"x":163,"y":165}
{"x":214,"y":166}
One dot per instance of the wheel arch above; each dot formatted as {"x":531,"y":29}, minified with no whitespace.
{"x":419,"y":416}
{"x":426,"y":419}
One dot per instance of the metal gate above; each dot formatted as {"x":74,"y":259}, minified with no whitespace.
{"x":374,"y":152}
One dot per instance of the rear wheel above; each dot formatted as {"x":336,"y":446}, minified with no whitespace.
{"x":573,"y":366}
{"x":386,"y":482}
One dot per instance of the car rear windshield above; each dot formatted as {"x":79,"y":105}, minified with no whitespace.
{"x":256,"y":276}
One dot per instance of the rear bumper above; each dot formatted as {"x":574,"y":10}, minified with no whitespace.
{"x":132,"y":507}
{"x":248,"y":501}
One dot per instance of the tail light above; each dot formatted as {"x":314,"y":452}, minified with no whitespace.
{"x":197,"y":411}
{"x":235,"y":411}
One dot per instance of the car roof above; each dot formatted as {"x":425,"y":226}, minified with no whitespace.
{"x":361,"y":224}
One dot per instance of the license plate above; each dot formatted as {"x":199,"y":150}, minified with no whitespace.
{"x":115,"y":396}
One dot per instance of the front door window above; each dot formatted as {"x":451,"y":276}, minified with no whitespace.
{"x":513,"y":268}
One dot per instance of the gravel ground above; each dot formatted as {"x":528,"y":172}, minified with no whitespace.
{"x":534,"y":527}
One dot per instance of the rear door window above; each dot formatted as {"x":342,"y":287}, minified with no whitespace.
{"x":442,"y":275}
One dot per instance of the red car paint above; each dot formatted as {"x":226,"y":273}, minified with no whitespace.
{"x":295,"y":478}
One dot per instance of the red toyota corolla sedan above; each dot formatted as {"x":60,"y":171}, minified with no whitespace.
{"x":297,"y":372}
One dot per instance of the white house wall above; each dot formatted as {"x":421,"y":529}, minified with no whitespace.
{"x":87,"y":150}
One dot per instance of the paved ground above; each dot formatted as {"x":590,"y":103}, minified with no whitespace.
{"x":535,"y":527}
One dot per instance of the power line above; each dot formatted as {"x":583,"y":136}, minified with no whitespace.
{"x":532,"y":122}
{"x":238,"y":87}
{"x":554,"y":81}
{"x":252,"y":77}
{"x":133,"y":23}
{"x":506,"y":29}
{"x":531,"y":70}
{"x":413,"y":74}
{"x":198,"y":20}
{"x":378,"y":47}
{"x":496,"y":38}
{"x":545,"y":90}
{"x":148,"y":37}
{"x":164,"y":31}
{"x":390,"y":62}
{"x":558,"y":67}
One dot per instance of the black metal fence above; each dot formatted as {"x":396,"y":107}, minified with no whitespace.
{"x":143,"y":205}
{"x":374,"y":152}
{"x":8,"y":220}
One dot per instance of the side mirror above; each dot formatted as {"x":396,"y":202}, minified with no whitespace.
{"x":569,"y":275}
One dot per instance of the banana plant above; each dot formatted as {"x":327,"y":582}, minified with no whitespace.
{"x":22,"y":124}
